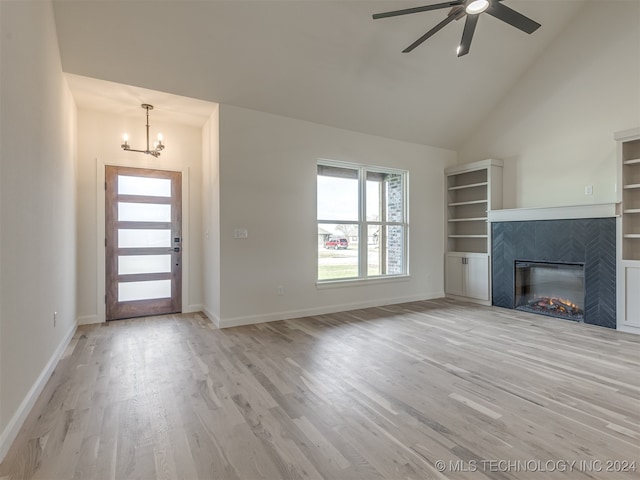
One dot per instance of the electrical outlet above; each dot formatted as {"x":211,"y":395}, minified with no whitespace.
{"x":280,"y":290}
{"x":588,"y":190}
{"x":55,"y":319}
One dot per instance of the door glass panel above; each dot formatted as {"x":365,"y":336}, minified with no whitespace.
{"x":129,"y":291}
{"x":151,"y":187}
{"x":129,"y":238}
{"x":132,"y":264}
{"x":143,"y":212}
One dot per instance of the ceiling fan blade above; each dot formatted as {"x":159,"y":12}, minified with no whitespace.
{"x":467,"y":34}
{"x":425,"y":8}
{"x":513,"y":18}
{"x":431,"y":32}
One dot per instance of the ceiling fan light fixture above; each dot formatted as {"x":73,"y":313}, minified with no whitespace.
{"x":476,"y":7}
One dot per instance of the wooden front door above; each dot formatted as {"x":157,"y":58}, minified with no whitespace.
{"x":143,"y":242}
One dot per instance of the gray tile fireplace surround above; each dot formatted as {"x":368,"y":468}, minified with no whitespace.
{"x":590,"y":241}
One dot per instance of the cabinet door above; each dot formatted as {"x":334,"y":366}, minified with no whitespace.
{"x":454,"y":275}
{"x":631,"y":313}
{"x":477,"y":281}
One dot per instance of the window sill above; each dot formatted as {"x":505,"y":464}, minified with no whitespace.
{"x":360,"y":282}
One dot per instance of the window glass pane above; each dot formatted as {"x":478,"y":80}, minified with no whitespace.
{"x":337,"y":193}
{"x":394,"y":247}
{"x":374,"y":206}
{"x":129,"y":291}
{"x":374,"y":252}
{"x":152,"y":187}
{"x":143,"y":212}
{"x":394,"y":197}
{"x":131,"y":264}
{"x":337,"y":251}
{"x":130,"y":238}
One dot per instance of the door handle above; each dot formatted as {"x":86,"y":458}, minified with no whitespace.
{"x":175,"y":249}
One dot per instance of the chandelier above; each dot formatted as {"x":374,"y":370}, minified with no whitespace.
{"x":157,"y":146}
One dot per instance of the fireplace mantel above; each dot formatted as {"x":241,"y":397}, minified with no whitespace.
{"x":599,"y":210}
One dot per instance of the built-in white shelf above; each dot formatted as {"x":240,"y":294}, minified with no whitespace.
{"x":471,"y":202}
{"x":632,"y":162}
{"x":635,"y":185}
{"x":632,"y":235}
{"x":632,"y":210}
{"x":477,"y":219}
{"x":471,"y":185}
{"x":468,"y":236}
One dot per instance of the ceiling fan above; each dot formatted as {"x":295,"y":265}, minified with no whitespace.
{"x":472,"y":9}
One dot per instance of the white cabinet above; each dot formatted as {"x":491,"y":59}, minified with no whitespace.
{"x":471,"y":190}
{"x":629,"y":315}
{"x":454,"y":278}
{"x":628,"y":234}
{"x":467,"y":275}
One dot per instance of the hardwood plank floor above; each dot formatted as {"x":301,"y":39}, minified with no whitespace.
{"x":380,"y":393}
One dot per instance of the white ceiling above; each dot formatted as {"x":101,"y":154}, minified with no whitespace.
{"x":323,"y":61}
{"x":127,"y":100}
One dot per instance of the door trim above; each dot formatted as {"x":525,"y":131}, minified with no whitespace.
{"x":101,"y":311}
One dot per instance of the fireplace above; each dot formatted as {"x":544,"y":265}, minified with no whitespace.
{"x":578,"y":241}
{"x":554,"y":289}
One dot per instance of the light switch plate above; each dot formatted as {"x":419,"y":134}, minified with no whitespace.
{"x":240,"y":233}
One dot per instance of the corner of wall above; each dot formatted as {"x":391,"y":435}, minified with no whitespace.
{"x":211,"y":215}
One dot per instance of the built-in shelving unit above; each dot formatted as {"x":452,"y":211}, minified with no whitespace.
{"x":628,"y":284}
{"x":630,"y":180}
{"x":472,"y":190}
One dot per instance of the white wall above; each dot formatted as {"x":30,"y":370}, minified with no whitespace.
{"x":268,"y":185}
{"x":37,"y":209}
{"x":554,"y":130}
{"x":99,"y":139}
{"x":211,"y":214}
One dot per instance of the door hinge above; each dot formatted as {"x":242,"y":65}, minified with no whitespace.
{"x":105,"y":185}
{"x":105,"y":299}
{"x":105,"y":242}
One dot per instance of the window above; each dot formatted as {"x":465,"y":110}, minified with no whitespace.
{"x":362,"y":222}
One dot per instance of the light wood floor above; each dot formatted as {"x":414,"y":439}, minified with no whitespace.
{"x":369,"y":394}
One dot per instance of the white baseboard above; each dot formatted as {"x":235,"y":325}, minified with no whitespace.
{"x":193,"y":308}
{"x":88,"y":320}
{"x":469,"y":299}
{"x":91,"y":319}
{"x":324,"y":310}
{"x":214,"y":318}
{"x":629,"y":329}
{"x":11,"y":431}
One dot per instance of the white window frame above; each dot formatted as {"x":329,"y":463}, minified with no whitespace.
{"x":363,"y":223}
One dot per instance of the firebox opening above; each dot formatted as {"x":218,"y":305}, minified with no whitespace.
{"x":550,"y":288}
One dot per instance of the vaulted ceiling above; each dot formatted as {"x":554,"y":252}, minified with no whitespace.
{"x":324,"y":61}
